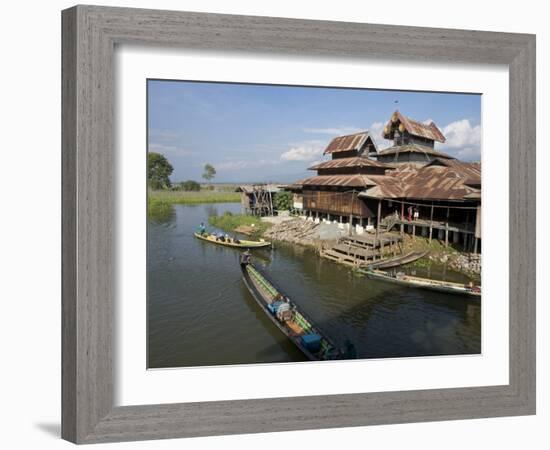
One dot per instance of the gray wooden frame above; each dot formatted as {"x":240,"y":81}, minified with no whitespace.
{"x":89,"y":36}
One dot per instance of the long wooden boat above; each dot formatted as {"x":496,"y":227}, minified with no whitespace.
{"x":231,"y":242}
{"x":425,"y":283}
{"x":288,"y":318}
{"x":397,"y":260}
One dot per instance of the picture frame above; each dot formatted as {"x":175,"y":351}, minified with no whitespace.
{"x":90,"y":34}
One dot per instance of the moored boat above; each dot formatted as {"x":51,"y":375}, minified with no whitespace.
{"x":231,"y":242}
{"x":425,"y":283}
{"x":288,"y":318}
{"x":397,"y":260}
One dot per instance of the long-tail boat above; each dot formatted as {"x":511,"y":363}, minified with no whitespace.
{"x":232,"y":242}
{"x":288,"y":318}
{"x":397,"y":260}
{"x":425,"y":283}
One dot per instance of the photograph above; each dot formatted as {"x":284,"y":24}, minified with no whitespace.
{"x":296,"y":223}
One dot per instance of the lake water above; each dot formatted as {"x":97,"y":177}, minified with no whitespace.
{"x":200,"y":313}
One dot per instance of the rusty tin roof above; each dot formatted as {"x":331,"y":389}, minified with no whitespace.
{"x":356,"y":161}
{"x":439,"y":180}
{"x":353,"y":180}
{"x":349,"y":142}
{"x":429,"y":131}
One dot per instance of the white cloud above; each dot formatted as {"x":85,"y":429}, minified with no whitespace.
{"x":336,"y":131}
{"x":157,"y":147}
{"x":306,"y":151}
{"x":462,"y":140}
{"x":375,"y":131}
{"x":244,"y":164}
{"x":461,"y":134}
{"x":167,"y":141}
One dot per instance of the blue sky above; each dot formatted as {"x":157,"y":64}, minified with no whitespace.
{"x":273,"y":133}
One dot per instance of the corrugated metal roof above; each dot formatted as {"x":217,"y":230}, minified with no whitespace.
{"x":349,"y":142}
{"x":356,"y":161}
{"x":430,"y":131}
{"x":469,"y":171}
{"x":249,"y":188}
{"x":454,"y":181}
{"x":413,"y":148}
{"x":354,"y":180}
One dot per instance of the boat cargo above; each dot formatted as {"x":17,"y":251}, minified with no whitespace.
{"x":231,"y":242}
{"x":285,"y":314}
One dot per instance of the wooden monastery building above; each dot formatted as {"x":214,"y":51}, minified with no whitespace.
{"x":409,"y":187}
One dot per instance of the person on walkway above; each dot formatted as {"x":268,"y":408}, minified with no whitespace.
{"x":409,"y":213}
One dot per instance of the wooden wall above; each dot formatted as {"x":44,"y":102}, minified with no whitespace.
{"x":338,"y":203}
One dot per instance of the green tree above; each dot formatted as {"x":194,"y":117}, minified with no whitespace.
{"x":190,"y":185}
{"x":158,"y":171}
{"x":209,"y":172}
{"x":284,"y":200}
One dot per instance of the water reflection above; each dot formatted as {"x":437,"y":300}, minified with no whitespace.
{"x":200,"y":313}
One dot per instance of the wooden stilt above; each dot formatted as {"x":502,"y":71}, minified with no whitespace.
{"x":431,"y":221}
{"x":447,"y":229}
{"x":378,"y":218}
{"x":402,"y":218}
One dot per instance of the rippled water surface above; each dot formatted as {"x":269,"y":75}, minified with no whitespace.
{"x":200,"y":313}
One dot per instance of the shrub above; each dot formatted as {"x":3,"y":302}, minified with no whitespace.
{"x":190,"y":185}
{"x":284,"y":200}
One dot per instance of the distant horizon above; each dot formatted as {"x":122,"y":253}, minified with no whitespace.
{"x":274,"y":133}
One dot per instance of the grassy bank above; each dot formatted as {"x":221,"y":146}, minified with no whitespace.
{"x":229,"y":222}
{"x":159,"y":210}
{"x":192,"y":197}
{"x":452,"y":256}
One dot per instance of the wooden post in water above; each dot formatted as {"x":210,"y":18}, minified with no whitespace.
{"x":431,"y":220}
{"x":402,"y":218}
{"x":351,"y":213}
{"x":378,"y":220}
{"x":447,"y":229}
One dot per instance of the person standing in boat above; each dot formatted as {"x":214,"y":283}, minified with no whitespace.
{"x":245,"y":258}
{"x":202,"y":229}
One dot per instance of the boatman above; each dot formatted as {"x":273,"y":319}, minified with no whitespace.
{"x":202,"y":229}
{"x":245,"y":258}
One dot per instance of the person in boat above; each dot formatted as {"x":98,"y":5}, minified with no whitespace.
{"x":202,"y":229}
{"x":236,"y":240}
{"x":227,"y":238}
{"x":246,"y":257}
{"x":350,"y":351}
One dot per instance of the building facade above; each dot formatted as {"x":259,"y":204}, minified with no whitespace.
{"x":410,"y":187}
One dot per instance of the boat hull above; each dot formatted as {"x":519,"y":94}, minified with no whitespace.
{"x":398,"y":261}
{"x":241,"y":244}
{"x":449,"y":288}
{"x":263,"y":304}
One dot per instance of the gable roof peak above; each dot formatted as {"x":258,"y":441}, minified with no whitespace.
{"x":402,"y":123}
